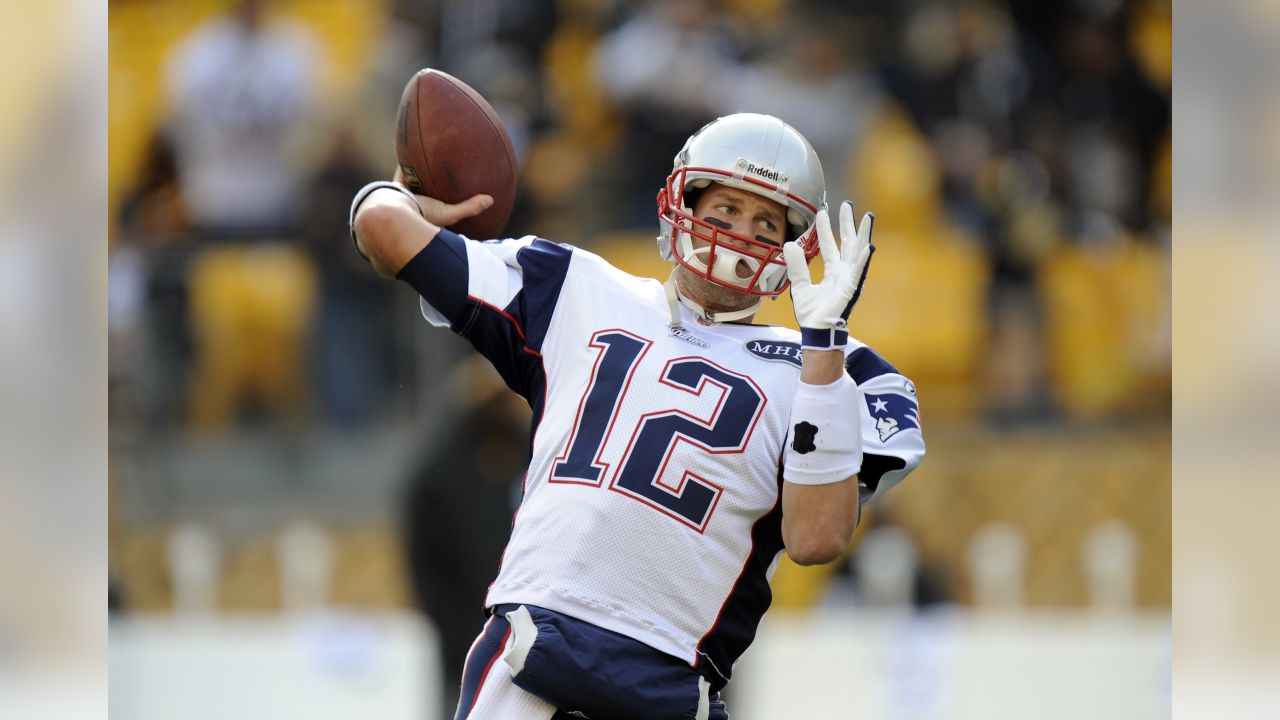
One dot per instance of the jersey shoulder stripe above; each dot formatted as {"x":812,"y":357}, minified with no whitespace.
{"x":863,"y":364}
{"x":544,"y":266}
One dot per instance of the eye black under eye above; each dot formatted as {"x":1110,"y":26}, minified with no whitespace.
{"x":723,"y":225}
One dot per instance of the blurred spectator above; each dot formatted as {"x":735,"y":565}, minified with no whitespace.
{"x":352,"y":326}
{"x":1044,"y":126}
{"x":241,"y":93}
{"x":401,"y":50}
{"x":457,"y":513}
{"x":154,"y":210}
{"x":462,"y":28}
{"x":669,"y":68}
{"x":250,"y":313}
{"x":149,"y":344}
{"x":818,"y":86}
{"x":497,"y":47}
{"x":241,"y":99}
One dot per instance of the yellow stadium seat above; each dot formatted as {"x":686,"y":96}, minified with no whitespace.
{"x":924,"y":307}
{"x":589,"y":119}
{"x":1106,"y":322}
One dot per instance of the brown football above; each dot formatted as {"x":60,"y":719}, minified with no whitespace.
{"x":451,"y":145}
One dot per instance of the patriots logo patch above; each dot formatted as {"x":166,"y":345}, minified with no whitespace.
{"x":893,"y":413}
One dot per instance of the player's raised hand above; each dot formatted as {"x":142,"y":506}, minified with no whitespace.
{"x":822,"y":309}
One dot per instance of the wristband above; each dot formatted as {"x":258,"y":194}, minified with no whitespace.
{"x":834,"y":338}
{"x":364,"y":194}
{"x":824,"y":443}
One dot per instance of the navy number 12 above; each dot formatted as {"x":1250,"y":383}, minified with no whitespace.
{"x":657,"y":434}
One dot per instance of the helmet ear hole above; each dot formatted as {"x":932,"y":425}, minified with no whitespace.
{"x":691,"y":195}
{"x":795,"y":224}
{"x":692,"y":191}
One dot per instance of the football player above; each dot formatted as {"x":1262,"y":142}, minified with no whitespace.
{"x":677,"y":448}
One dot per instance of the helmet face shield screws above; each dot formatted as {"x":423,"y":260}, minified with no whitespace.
{"x":756,"y":153}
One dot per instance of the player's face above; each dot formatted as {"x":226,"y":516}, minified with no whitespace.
{"x":742,"y":212}
{"x":738,"y":211}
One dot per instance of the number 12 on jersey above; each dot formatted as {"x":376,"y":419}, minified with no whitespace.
{"x":657,"y":434}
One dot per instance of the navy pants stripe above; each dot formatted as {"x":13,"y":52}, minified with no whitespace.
{"x":484,"y":653}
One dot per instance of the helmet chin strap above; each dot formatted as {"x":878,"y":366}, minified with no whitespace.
{"x":675,"y":298}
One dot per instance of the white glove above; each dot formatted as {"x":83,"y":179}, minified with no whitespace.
{"x":823,"y":309}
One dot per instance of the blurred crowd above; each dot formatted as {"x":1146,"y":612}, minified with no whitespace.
{"x":1016,"y":154}
{"x":265,"y":384}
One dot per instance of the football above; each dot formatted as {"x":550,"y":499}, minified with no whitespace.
{"x":450,"y":145}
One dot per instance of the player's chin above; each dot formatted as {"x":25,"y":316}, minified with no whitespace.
{"x":715,"y":297}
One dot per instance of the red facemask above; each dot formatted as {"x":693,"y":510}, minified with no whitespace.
{"x":746,"y":264}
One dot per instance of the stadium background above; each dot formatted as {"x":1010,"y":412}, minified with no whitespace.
{"x":282,"y":426}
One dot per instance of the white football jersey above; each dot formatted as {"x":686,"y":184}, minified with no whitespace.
{"x":652,"y":505}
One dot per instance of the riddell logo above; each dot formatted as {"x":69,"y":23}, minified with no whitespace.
{"x":764,"y":172}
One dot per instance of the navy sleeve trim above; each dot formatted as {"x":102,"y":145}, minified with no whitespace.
{"x":498,"y":336}
{"x":511,"y":337}
{"x":865,"y":363}
{"x":439,"y":274}
{"x":874,"y":468}
{"x":545,"y":265}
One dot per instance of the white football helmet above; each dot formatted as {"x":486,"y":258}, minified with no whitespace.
{"x":757,"y":153}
